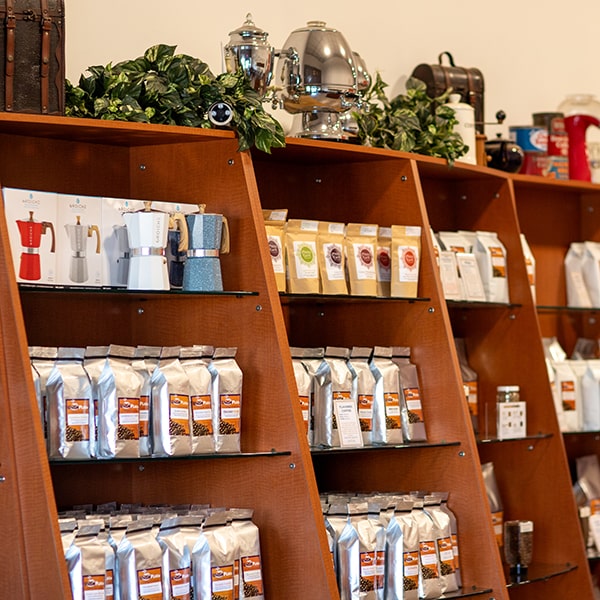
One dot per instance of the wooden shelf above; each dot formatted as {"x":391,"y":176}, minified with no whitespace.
{"x":321,"y":181}
{"x":527,"y":438}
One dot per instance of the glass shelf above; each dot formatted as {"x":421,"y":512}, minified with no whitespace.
{"x":479,"y":304}
{"x":538,"y":572}
{"x":150,"y":459}
{"x":565,"y":309}
{"x":527,"y":438}
{"x":26,"y":288}
{"x":383,"y":448}
{"x":467,"y":592}
{"x":334,"y":298}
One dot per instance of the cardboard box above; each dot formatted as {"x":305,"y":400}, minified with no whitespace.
{"x":78,"y":243}
{"x":31,"y":221}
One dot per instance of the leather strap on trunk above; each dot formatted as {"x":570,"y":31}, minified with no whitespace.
{"x":11,"y":24}
{"x":46,"y":26}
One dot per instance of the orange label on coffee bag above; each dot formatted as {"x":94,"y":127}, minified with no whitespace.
{"x":472,"y":399}
{"x":109,"y":590}
{"x":202,"y":414}
{"x":428,"y":558}
{"x":392,"y":410}
{"x":365,"y":411}
{"x":498,"y":523}
{"x":94,"y":587}
{"x":252,"y":575}
{"x":129,"y":419}
{"x":380,"y":571}
{"x":498,"y":261}
{"x":368,"y":568}
{"x":567,"y":392}
{"x":231,"y":412}
{"x":304,"y":407}
{"x":411,"y":570}
{"x":222,"y":582}
{"x":78,"y":420}
{"x":446,"y":555}
{"x":412,"y":397}
{"x":180,"y":584}
{"x":144,"y":416}
{"x":179,"y":412}
{"x":150,"y":584}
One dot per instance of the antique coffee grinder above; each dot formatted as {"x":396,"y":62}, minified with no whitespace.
{"x":147,"y":232}
{"x":78,"y":235}
{"x":31,"y":232}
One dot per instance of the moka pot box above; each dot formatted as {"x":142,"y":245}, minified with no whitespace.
{"x":113,"y":235}
{"x":31,"y":222}
{"x":78,"y":243}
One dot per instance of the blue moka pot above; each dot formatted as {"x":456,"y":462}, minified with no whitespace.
{"x":202,"y":271}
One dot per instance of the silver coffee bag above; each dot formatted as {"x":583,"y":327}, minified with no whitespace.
{"x":194,"y":361}
{"x":321,"y":397}
{"x":71,"y":423}
{"x":170,"y":406}
{"x":227,"y":380}
{"x":139,"y":560}
{"x":119,"y":388}
{"x":42,"y":363}
{"x":387,"y":421}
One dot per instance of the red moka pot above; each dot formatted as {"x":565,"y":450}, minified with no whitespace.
{"x":31,"y":233}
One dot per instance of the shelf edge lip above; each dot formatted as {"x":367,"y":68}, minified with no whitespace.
{"x":53,"y":289}
{"x":291,"y":297}
{"x":527,"y":438}
{"x":563,"y":308}
{"x":574,"y":433}
{"x":315,"y":451}
{"x":150,"y":459}
{"x":553,"y":571}
{"x":464,"y":593}
{"x":482,"y":304}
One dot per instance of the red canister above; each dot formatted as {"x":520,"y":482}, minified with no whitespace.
{"x":558,"y":143}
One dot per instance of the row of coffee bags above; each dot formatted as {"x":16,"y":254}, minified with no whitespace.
{"x":393,"y":546}
{"x":575,"y":384}
{"x":319,"y":257}
{"x":587,"y":497}
{"x":582,"y":273}
{"x":359,"y":396}
{"x":127,"y":402}
{"x":472,"y":264}
{"x":202,"y":554}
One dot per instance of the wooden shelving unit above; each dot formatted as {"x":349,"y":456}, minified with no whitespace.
{"x":552,"y":215}
{"x":276,"y":472}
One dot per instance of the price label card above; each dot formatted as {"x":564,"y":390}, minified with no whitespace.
{"x":346,"y":414}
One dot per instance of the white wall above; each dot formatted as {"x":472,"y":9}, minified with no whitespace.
{"x":531,"y":52}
